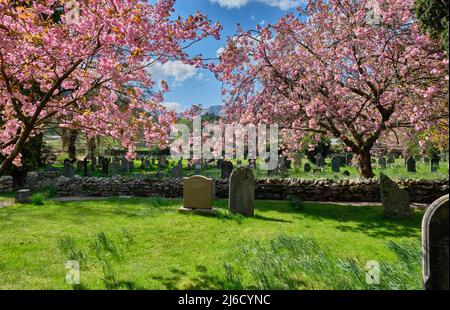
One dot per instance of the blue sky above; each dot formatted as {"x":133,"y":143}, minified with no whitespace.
{"x":190,"y":86}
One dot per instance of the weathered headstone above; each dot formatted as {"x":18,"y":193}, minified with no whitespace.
{"x":382,"y":162}
{"x":105,"y":166}
{"x":23,"y":196}
{"x":198,"y":193}
{"x":177,"y":172}
{"x":307,"y":168}
{"x":434,"y":165}
{"x":242,"y":192}
{"x":226,"y":169}
{"x":320,"y":161}
{"x":297,"y":157}
{"x":336,"y":164}
{"x":125,"y":165}
{"x":198,"y":169}
{"x":411,"y":164}
{"x":435,"y":242}
{"x":68,"y":169}
{"x":396,"y":201}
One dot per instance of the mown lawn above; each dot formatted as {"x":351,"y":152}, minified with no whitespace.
{"x":146,"y":244}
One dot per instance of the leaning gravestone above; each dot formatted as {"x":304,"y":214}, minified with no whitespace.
{"x":198,"y":194}
{"x":226,"y":169}
{"x":411,"y":164}
{"x":242,"y":192}
{"x":125,"y":165}
{"x":336,"y":164}
{"x":68,"y":169}
{"x":435,"y":241}
{"x":434,"y":163}
{"x":396,"y":201}
{"x":23,"y":196}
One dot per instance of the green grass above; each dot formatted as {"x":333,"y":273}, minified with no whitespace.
{"x":146,"y":244}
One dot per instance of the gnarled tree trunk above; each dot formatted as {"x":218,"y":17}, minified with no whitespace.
{"x":365,"y":164}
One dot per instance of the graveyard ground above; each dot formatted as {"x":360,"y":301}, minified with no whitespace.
{"x":146,"y":244}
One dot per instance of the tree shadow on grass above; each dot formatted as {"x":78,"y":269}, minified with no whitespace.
{"x":203,"y":281}
{"x":358,"y":219}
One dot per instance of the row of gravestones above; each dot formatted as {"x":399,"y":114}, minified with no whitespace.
{"x":198,"y":193}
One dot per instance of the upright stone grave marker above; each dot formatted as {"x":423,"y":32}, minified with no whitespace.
{"x":242,"y":192}
{"x":391,"y":160}
{"x":307,"y":168}
{"x":226,"y":169}
{"x":198,"y":194}
{"x":434,"y":163}
{"x":198,"y":169}
{"x":177,"y":172}
{"x":411,"y":164}
{"x":396,"y":201}
{"x":297,"y":161}
{"x":320,"y":161}
{"x":68,"y":169}
{"x":336,"y":164}
{"x":435,"y":242}
{"x":105,"y":166}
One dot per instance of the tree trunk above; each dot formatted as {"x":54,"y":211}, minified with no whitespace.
{"x":91,"y":148}
{"x":72,"y":149}
{"x":365,"y":165}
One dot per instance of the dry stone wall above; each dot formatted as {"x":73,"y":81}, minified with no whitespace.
{"x":6,"y":184}
{"x":367,"y":190}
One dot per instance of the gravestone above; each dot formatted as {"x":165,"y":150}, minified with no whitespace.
{"x":435,"y":241}
{"x":242,"y":192}
{"x":382,"y":162}
{"x":100,"y":162}
{"x":411,"y":164}
{"x":80,"y":167}
{"x":226,"y":169}
{"x":23,"y":196}
{"x":320,"y":161}
{"x":68,"y":169}
{"x":198,"y":194}
{"x":105,"y":166}
{"x":297,"y":161}
{"x":198,"y":169}
{"x":391,"y":160}
{"x":307,"y":167}
{"x":115,"y":168}
{"x":434,"y":165}
{"x":162,"y":161}
{"x":336,"y":164}
{"x":177,"y":172}
{"x":396,"y":201}
{"x":125,"y":165}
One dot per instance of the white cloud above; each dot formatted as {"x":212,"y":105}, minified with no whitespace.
{"x":176,"y":70}
{"x":220,"y":50}
{"x":281,"y":4}
{"x":174,"y":106}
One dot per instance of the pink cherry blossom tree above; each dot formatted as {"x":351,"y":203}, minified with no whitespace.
{"x":350,"y":69}
{"x":89,"y":73}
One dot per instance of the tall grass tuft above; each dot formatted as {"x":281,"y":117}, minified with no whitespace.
{"x":292,"y":263}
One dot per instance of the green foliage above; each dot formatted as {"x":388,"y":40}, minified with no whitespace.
{"x":292,"y":263}
{"x":433,"y":18}
{"x":38,"y":199}
{"x":323,"y":147}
